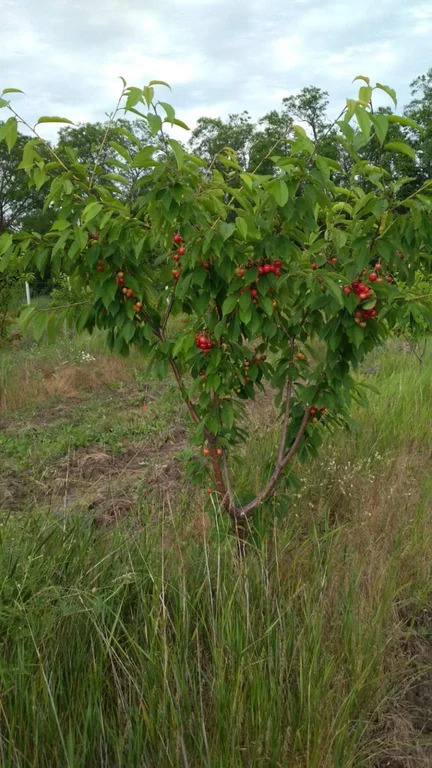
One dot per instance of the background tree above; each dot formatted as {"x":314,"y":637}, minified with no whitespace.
{"x":18,"y":202}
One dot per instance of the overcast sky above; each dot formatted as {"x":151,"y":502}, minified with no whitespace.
{"x":219,"y":56}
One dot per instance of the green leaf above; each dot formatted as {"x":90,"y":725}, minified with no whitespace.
{"x":169,"y":110}
{"x":39,"y":177}
{"x":3,"y":103}
{"x":141,"y":159}
{"x":400,"y":146}
{"x":155,"y":123}
{"x":279,"y":191}
{"x":362,"y":77}
{"x":389,"y":91}
{"x":229,"y":304}
{"x":54,"y":119}
{"x":39,"y":324}
{"x":133,"y":97}
{"x":5,"y":242}
{"x":364,"y":121}
{"x":226,"y":229}
{"x":159,"y":82}
{"x":148,"y":93}
{"x":247,"y":181}
{"x":10,"y":134}
{"x":90,"y":211}
{"x":121,"y":150}
{"x":11,"y":90}
{"x":406,"y":121}
{"x":381,"y":126}
{"x":241,"y":227}
{"x":365,"y":93}
{"x":178,"y":152}
{"x":177,"y":122}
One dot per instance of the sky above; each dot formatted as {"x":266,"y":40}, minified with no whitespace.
{"x":219,"y":56}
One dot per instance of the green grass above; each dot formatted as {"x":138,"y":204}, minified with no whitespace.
{"x":146,"y":643}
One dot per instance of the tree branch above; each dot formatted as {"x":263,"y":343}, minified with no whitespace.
{"x":288,"y":391}
{"x":280,"y":465}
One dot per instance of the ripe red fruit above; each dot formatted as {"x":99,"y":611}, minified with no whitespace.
{"x":253,"y":292}
{"x":177,"y":238}
{"x":120,"y":281}
{"x":322,"y":411}
{"x":377,"y":266}
{"x":372,"y":277}
{"x":181,"y":251}
{"x":314,"y":265}
{"x":101,"y":268}
{"x":94,"y":235}
{"x":363,"y":295}
{"x":176,"y":256}
{"x":206,"y":451}
{"x":277,"y":272}
{"x":277,"y":263}
{"x":300,"y":356}
{"x":206,"y":265}
{"x":175,"y":274}
{"x":219,"y":451}
{"x":334,"y":260}
{"x":268,"y":268}
{"x":143,"y":407}
{"x":313,"y":410}
{"x":389,"y":279}
{"x":239,"y":271}
{"x":263,"y":357}
{"x":261,"y":270}
{"x":209,"y":490}
{"x":359,"y":313}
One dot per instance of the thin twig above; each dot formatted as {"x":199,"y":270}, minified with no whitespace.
{"x":104,"y":138}
{"x":288,"y":391}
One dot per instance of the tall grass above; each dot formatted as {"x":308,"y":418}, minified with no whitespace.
{"x":148,"y":644}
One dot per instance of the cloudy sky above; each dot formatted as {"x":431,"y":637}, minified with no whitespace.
{"x":219,"y":56}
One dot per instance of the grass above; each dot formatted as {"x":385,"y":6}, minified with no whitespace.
{"x":145,"y":643}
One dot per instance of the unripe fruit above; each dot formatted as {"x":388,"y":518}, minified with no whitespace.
{"x":274,"y":304}
{"x":124,"y":290}
{"x":314,"y":419}
{"x":379,"y":279}
{"x":181,"y":251}
{"x":240,"y":272}
{"x":120,"y":274}
{"x":301,"y":356}
{"x":362,"y":325}
{"x":94,"y":235}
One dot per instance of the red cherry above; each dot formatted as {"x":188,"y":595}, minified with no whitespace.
{"x":143,"y":407}
{"x":261,"y":270}
{"x":120,"y":281}
{"x":389,"y":279}
{"x":219,"y":451}
{"x":239,"y":271}
{"x":177,"y":239}
{"x":363,"y":295}
{"x":94,"y":235}
{"x":206,"y":451}
{"x":176,"y":256}
{"x":334,"y":260}
{"x":268,"y":268}
{"x":263,"y":357}
{"x":253,"y":292}
{"x":314,"y":265}
{"x":206,"y":265}
{"x":181,"y":251}
{"x":277,"y":263}
{"x":377,"y":266}
{"x":313,"y":410}
{"x":209,"y":490}
{"x":322,"y":411}
{"x":277,"y":272}
{"x":372,"y":277}
{"x":101,"y":268}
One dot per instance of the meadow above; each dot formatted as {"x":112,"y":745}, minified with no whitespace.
{"x":130,"y":633}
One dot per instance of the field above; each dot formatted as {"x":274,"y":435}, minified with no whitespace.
{"x":130,"y":633}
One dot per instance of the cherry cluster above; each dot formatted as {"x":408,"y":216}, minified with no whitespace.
{"x":315,"y":415}
{"x":364,"y":314}
{"x":203,"y":342}
{"x":181,"y":250}
{"x":101,"y":266}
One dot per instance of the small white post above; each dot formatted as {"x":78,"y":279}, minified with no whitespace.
{"x":27,"y":287}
